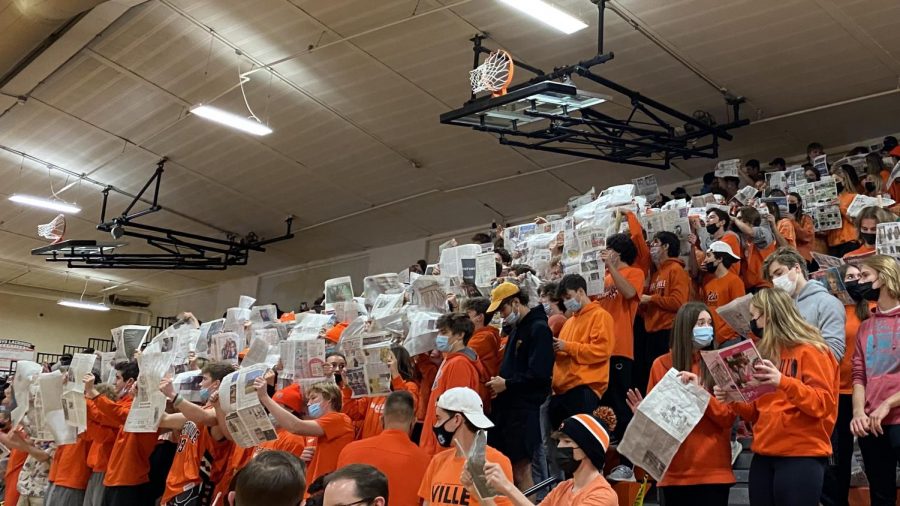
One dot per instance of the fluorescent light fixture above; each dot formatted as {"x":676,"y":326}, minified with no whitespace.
{"x":542,"y":11}
{"x":56,"y":205}
{"x":93,"y":306}
{"x":232,"y":120}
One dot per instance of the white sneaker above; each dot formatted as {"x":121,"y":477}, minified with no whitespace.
{"x":736,"y":449}
{"x":621,"y":473}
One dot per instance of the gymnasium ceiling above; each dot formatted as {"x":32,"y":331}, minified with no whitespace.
{"x":357,"y":153}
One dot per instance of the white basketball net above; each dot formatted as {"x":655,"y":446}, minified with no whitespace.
{"x":53,"y":230}
{"x":493,"y":74}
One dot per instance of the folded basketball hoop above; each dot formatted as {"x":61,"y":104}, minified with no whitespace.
{"x":53,"y":230}
{"x":494,"y":75}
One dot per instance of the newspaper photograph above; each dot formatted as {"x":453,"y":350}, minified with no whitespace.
{"x":485,"y":269}
{"x":429,"y":294}
{"x":263,"y":315}
{"x":647,"y":187}
{"x":826,"y":217}
{"x":662,"y":422}
{"x":54,"y":418}
{"x":226,"y":347}
{"x":303,"y":359}
{"x":831,"y":279}
{"x":826,"y":261}
{"x":422,"y":332}
{"x":129,"y":338}
{"x":338,"y":290}
{"x":820,"y":163}
{"x":736,"y":315}
{"x":368,"y":373}
{"x":245,"y":418}
{"x":728,"y":168}
{"x":149,"y":403}
{"x":456,"y":261}
{"x":373,"y":286}
{"x":734,"y":367}
{"x":187,"y":384}
{"x":385,"y":305}
{"x":207,"y":330}
{"x":309,"y":326}
{"x":887,"y":239}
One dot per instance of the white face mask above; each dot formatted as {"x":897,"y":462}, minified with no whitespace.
{"x":785,"y":283}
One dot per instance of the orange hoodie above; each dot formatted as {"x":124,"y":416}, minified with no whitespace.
{"x":102,"y":437}
{"x":642,"y":260}
{"x":804,"y":233}
{"x":848,"y":231}
{"x":129,"y":462}
{"x":717,"y":292}
{"x":486,"y":343}
{"x":588,"y":336}
{"x":460,"y":369}
{"x":623,"y":310}
{"x":69,"y":466}
{"x":669,"y":288}
{"x":427,"y":371}
{"x":704,"y":457}
{"x":797,"y":419}
{"x":369,"y":410}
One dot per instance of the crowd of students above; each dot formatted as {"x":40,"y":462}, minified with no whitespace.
{"x":554,"y":380}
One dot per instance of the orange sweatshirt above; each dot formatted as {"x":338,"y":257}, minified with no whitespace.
{"x":427,"y":371}
{"x":846,"y":366}
{"x":102,"y":438}
{"x":754,"y":256}
{"x":805,"y":235}
{"x":642,"y":261}
{"x":69,"y":466}
{"x":703,"y":458}
{"x":848,"y":231}
{"x":486,"y":343}
{"x":718,"y":292}
{"x":370,"y":410}
{"x":588,"y":336}
{"x":129,"y":462}
{"x":786,"y":229}
{"x":669,"y":289}
{"x":797,"y":419}
{"x":623,"y":310}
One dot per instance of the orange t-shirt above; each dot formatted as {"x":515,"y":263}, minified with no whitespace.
{"x":598,"y":493}
{"x":848,"y":231}
{"x":369,"y":410}
{"x":427,"y":372}
{"x":441,"y":485}
{"x":392,"y":453}
{"x":704,"y":458}
{"x":718,"y":292}
{"x":13,"y":468}
{"x":669,"y":289}
{"x":588,"y":335}
{"x":786,"y":229}
{"x":797,"y":419}
{"x":236,"y":460}
{"x":486,"y":343}
{"x":805,"y":235}
{"x":129,"y":462}
{"x":69,"y":466}
{"x":623,"y":310}
{"x":338,"y":430}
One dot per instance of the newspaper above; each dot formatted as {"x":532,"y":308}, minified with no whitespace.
{"x":616,"y":195}
{"x":580,"y":200}
{"x":245,"y":418}
{"x":831,"y":279}
{"x":429,"y":294}
{"x":858,"y":162}
{"x":737,"y":314}
{"x":338,"y":290}
{"x":826,"y":261}
{"x":447,"y":244}
{"x":895,"y":173}
{"x":733,"y":369}
{"x":777,"y":181}
{"x":74,"y":407}
{"x":367,"y":373}
{"x":887,"y":239}
{"x":647,"y":187}
{"x":386,"y":305}
{"x":26,"y":375}
{"x":422,"y":332}
{"x":226,"y":347}
{"x":459,"y":261}
{"x":149,"y":403}
{"x":262,"y":352}
{"x":780,"y":202}
{"x":129,"y":338}
{"x":826,"y":217}
{"x":817,"y":192}
{"x":373,"y":286}
{"x":207,"y":330}
{"x":476,"y":458}
{"x":592,"y":269}
{"x":54,"y":418}
{"x":263,"y":315}
{"x":309,"y":326}
{"x":235,"y":317}
{"x":36,"y":414}
{"x":485,"y":269}
{"x":745,"y":194}
{"x":820,"y":163}
{"x":187,"y":384}
{"x":303,"y":359}
{"x":661,"y":423}
{"x":107,"y":361}
{"x":728,"y":168}
{"x":861,"y":202}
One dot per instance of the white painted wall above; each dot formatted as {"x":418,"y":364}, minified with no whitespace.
{"x":207,"y":303}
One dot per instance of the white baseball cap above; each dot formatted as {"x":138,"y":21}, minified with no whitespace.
{"x":466,"y":401}
{"x":721,"y":247}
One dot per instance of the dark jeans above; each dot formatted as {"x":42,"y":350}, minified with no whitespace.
{"x":880,"y":457}
{"x":614,"y":397}
{"x":786,"y":481}
{"x":693,"y":495}
{"x":647,"y":348}
{"x":836,"y":490}
{"x":576,"y":401}
{"x":136,"y":495}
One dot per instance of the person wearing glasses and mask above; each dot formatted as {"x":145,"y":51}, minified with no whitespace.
{"x":356,"y":485}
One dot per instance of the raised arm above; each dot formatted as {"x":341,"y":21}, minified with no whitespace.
{"x":284,"y":417}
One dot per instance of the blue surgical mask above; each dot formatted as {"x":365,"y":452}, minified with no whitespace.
{"x":204,"y":395}
{"x":547,"y":307}
{"x":703,"y":337}
{"x":572,"y":305}
{"x":511,"y":319}
{"x":314,"y":410}
{"x":442,"y":343}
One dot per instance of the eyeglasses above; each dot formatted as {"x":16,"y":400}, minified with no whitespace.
{"x":357,"y":503}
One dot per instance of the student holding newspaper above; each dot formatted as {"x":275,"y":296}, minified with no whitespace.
{"x":793,"y":425}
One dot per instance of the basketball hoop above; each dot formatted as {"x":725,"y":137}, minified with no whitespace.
{"x":53,"y":230}
{"x":494,"y":75}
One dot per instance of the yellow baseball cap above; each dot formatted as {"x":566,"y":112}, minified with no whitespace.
{"x":503,"y":290}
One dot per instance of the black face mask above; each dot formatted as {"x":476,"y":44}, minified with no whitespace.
{"x":756,"y":329}
{"x":565,"y":457}
{"x":870,"y":186}
{"x":712,"y":228}
{"x":868,"y":238}
{"x":853,"y":290}
{"x":444,"y":436}
{"x":865,"y":291}
{"x":792,"y":208}
{"x":710,"y":267}
{"x":840,"y":187}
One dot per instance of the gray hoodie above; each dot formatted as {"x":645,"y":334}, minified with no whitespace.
{"x":826,"y":313}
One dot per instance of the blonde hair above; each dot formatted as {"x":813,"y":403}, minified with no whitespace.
{"x":888,"y":272}
{"x":874,"y":213}
{"x":785,"y":328}
{"x":329,"y":391}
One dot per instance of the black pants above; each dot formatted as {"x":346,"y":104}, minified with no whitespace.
{"x":136,"y":495}
{"x":653,"y":345}
{"x":836,"y":490}
{"x":576,"y":401}
{"x":615,"y":395}
{"x":786,"y":481}
{"x":880,"y":457}
{"x":839,"y":250}
{"x":160,"y":463}
{"x":692,"y":495}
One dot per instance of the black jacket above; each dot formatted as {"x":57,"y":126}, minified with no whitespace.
{"x":528,"y":362}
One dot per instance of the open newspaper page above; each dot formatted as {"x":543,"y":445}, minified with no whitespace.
{"x":26,"y":375}
{"x":831,"y":279}
{"x":368,"y":373}
{"x":728,"y":168}
{"x":207,"y":330}
{"x":303,"y":359}
{"x":429,"y":294}
{"x":187,"y":384}
{"x":263,"y":315}
{"x":385,"y":305}
{"x":235,"y":317}
{"x":422,"y":332}
{"x":74,"y":406}
{"x":149,"y":403}
{"x":309,"y":326}
{"x":107,"y":361}
{"x":580,"y":200}
{"x":338,"y":290}
{"x":36,"y":414}
{"x":826,"y":217}
{"x":51,"y":388}
{"x":459,"y":262}
{"x":476,"y":458}
{"x":737,"y":314}
{"x":861,"y":202}
{"x":733,"y":368}
{"x":373,"y":286}
{"x":647,"y":187}
{"x":245,"y":418}
{"x":662,"y":422}
{"x":226,"y":346}
{"x":485,"y":269}
{"x":887,"y":239}
{"x":129,"y":338}
{"x":262,"y":352}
